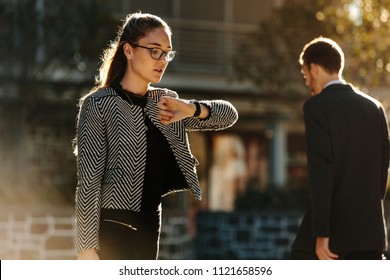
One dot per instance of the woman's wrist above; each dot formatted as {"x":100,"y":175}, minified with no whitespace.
{"x":198,"y":110}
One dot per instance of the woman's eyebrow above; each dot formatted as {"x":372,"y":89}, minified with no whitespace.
{"x":159,"y":45}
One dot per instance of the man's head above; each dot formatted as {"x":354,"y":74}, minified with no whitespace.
{"x":322,"y":60}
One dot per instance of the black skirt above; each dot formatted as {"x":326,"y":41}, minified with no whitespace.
{"x":129,"y":235}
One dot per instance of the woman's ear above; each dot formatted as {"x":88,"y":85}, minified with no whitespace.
{"x":127,"y":50}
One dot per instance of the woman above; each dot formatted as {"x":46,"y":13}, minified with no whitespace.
{"x":132,"y":146}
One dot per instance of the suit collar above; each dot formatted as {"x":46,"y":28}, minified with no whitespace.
{"x":335,"y":82}
{"x":334,"y":87}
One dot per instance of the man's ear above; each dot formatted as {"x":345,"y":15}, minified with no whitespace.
{"x":315,"y":69}
{"x":127,"y":50}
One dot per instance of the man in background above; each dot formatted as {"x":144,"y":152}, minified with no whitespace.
{"x":348,"y":159}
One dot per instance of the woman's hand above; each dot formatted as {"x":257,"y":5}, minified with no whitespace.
{"x":89,"y":254}
{"x":174,"y":109}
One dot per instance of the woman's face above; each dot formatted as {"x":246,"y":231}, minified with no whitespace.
{"x":143,"y":68}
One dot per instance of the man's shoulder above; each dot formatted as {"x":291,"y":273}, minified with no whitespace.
{"x":369,"y":98}
{"x":345,"y":92}
{"x":314,"y":100}
{"x":333,"y":91}
{"x":325,"y":96}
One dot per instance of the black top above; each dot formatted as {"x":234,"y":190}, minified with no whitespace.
{"x":158,"y":159}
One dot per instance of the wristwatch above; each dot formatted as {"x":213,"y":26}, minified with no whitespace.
{"x":197,"y":107}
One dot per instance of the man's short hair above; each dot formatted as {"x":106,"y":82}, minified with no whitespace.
{"x":324,"y":52}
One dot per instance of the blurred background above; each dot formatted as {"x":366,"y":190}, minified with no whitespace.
{"x":253,"y":175}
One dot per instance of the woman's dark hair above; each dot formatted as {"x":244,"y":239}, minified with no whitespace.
{"x":324,"y":52}
{"x":113,"y":61}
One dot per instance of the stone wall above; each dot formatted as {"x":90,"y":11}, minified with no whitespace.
{"x":37,"y":234}
{"x":251,"y":235}
{"x":176,"y":242}
{"x":239,"y":235}
{"x":47,"y":233}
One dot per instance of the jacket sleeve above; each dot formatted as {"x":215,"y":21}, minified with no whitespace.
{"x":320,"y":165}
{"x":385,"y":153}
{"x":91,"y":154}
{"x":222,"y":115}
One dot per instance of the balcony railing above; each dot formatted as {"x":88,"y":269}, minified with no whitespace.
{"x":206,"y":47}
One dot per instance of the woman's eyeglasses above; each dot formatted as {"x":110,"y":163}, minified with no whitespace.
{"x":157,"y":53}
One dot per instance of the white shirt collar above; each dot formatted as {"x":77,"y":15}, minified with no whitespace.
{"x":335,"y":82}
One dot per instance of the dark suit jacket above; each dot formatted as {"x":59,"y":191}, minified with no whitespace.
{"x":348,"y":159}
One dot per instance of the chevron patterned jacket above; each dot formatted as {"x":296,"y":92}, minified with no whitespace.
{"x":111,"y":154}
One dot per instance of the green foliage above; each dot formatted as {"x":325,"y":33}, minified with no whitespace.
{"x":362,"y":29}
{"x":269,"y":58}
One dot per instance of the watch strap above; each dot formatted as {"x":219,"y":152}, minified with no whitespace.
{"x":197,"y":108}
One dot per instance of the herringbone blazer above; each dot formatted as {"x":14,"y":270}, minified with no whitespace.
{"x":111,"y":153}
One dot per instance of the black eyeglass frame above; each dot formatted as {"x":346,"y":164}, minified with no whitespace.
{"x":169,"y":55}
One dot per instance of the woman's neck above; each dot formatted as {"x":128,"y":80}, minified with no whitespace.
{"x":134,"y":87}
